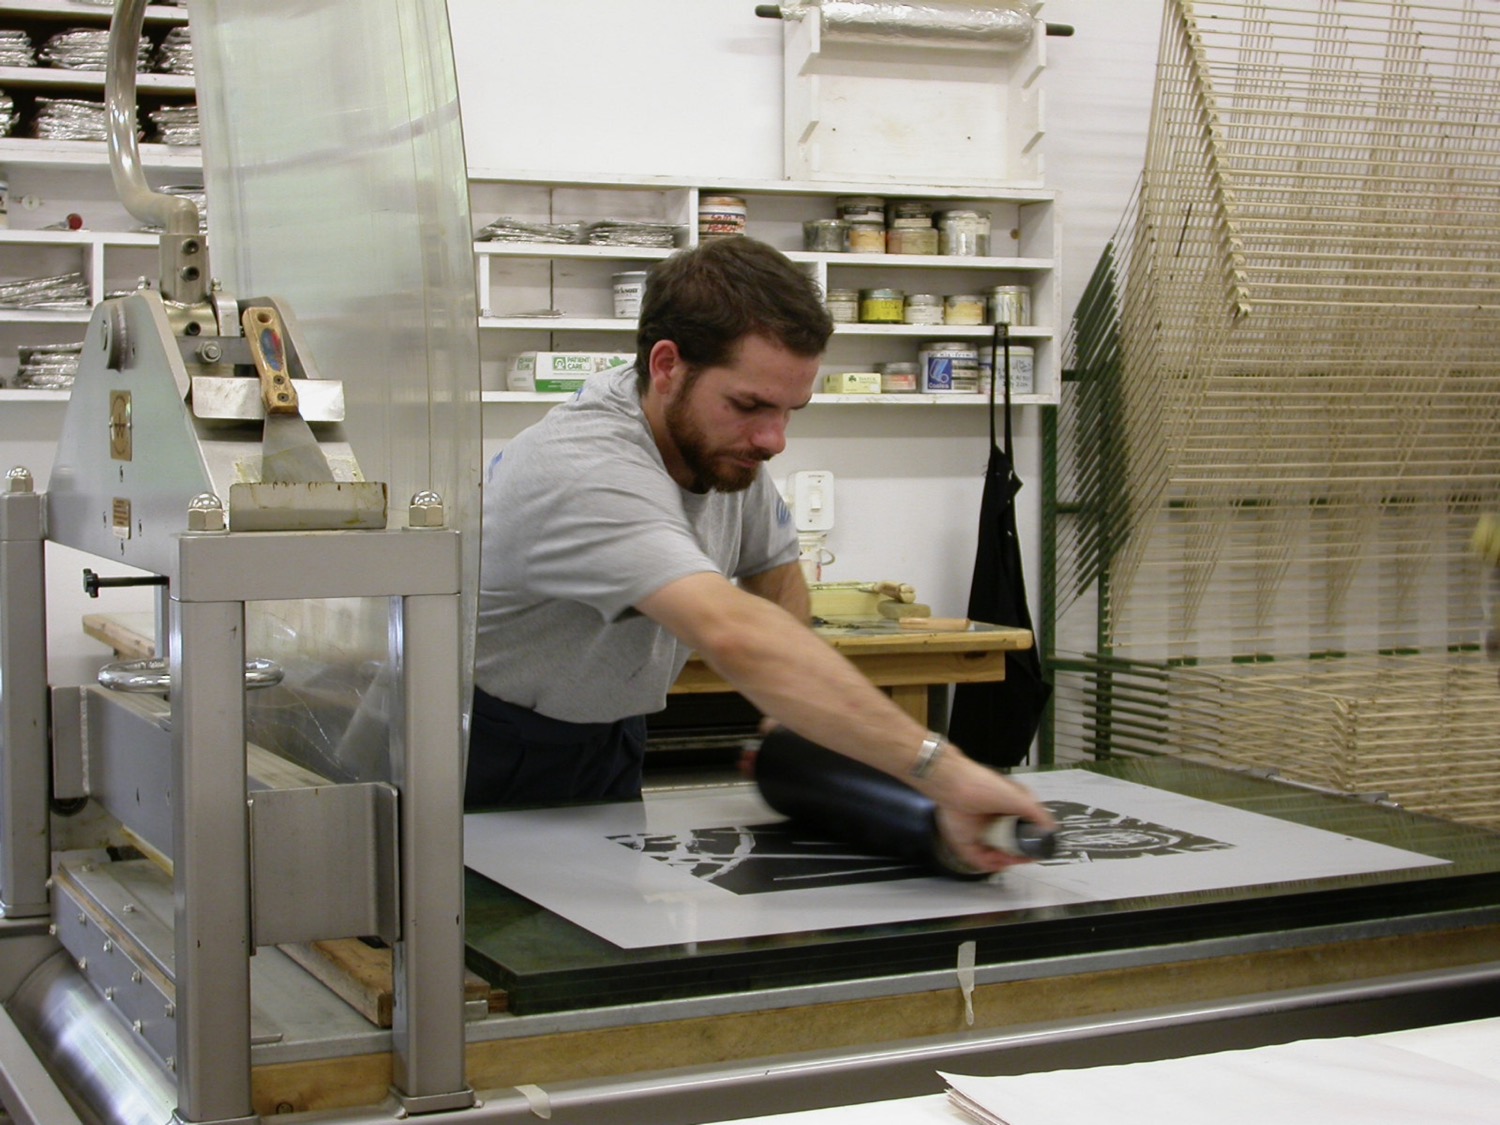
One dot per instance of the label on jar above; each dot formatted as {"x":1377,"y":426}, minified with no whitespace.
{"x":898,"y":378}
{"x":1022,"y":370}
{"x":721,"y":214}
{"x":911,"y":240}
{"x":629,"y":288}
{"x":963,"y":308}
{"x":924,"y":308}
{"x":949,"y":368}
{"x":842,"y":305}
{"x":1009,"y":304}
{"x":866,"y":238}
{"x":881,"y":306}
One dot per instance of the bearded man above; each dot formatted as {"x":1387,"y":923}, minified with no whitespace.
{"x":638,"y":523}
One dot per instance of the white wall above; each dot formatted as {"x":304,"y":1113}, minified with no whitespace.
{"x":692,"y":88}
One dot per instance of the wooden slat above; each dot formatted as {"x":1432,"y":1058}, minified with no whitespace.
{"x":360,"y":975}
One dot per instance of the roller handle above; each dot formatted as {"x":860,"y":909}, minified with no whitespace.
{"x":1014,"y":836}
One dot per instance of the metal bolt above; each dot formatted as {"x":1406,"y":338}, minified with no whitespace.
{"x":210,"y":352}
{"x":19,"y":480}
{"x":171,"y":1061}
{"x":206,"y":513}
{"x":83,"y":964}
{"x":135,"y":977}
{"x":109,"y":993}
{"x":426,"y":510}
{"x":109,"y":947}
{"x":83,"y":919}
{"x":128,"y":908}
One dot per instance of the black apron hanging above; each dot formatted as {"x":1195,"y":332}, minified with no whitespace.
{"x":996,"y":722}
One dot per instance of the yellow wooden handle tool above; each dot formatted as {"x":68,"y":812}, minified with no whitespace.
{"x":936,"y":624}
{"x":289,"y":452}
{"x":267,"y":340}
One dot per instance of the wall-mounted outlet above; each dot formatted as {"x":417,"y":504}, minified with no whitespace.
{"x":812,"y":499}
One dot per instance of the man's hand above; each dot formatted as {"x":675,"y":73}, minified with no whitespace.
{"x":982,"y":796}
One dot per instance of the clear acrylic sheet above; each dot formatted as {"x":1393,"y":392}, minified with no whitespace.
{"x":335,"y":172}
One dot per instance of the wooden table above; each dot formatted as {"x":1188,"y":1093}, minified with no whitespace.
{"x":905,"y":661}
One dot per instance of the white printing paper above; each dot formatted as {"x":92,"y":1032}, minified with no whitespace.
{"x":711,"y":864}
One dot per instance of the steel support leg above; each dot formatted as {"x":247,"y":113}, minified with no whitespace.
{"x":211,"y":862}
{"x":24,"y":758}
{"x":427,"y":1030}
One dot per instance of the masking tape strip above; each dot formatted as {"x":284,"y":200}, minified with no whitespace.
{"x":966,"y":953}
{"x":536,"y":1097}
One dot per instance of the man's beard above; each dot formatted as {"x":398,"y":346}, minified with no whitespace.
{"x":703,"y":463}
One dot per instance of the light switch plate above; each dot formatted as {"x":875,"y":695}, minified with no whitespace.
{"x":812,"y":499}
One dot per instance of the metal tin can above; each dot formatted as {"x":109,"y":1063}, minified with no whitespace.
{"x":720,"y":215}
{"x":901,"y":214}
{"x":958,"y":233}
{"x":911,"y":240}
{"x":825,"y":236}
{"x":629,"y":289}
{"x":923,"y":308}
{"x":949,"y":367}
{"x":865,"y":238}
{"x":842,"y":305}
{"x":1022,"y":370}
{"x":898,"y":378}
{"x":963,"y":308}
{"x":861,"y":208}
{"x":1009,"y":304}
{"x":881,"y":306}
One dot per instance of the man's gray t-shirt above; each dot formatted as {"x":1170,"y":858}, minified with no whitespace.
{"x":581,"y":521}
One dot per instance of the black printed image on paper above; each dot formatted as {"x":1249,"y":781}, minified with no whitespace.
{"x":760,"y":858}
{"x":757,"y":858}
{"x":1087,"y":834}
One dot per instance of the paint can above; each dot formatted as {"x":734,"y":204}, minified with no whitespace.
{"x":842,"y":305}
{"x":898,"y":378}
{"x":911,"y":240}
{"x":1022,"y":369}
{"x":949,"y":367}
{"x":905,"y":214}
{"x":923,"y":308}
{"x":881,"y":306}
{"x":824,"y":236}
{"x":720,"y":216}
{"x":861,"y":208}
{"x":630,"y":287}
{"x":963,"y":308}
{"x":1009,"y":304}
{"x":865,"y":238}
{"x":958,"y":233}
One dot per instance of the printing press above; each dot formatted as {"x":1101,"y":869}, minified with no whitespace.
{"x":232,"y":879}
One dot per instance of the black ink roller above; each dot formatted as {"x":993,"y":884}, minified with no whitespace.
{"x":857,"y":804}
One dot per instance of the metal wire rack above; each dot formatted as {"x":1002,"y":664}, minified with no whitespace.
{"x":1281,"y":424}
